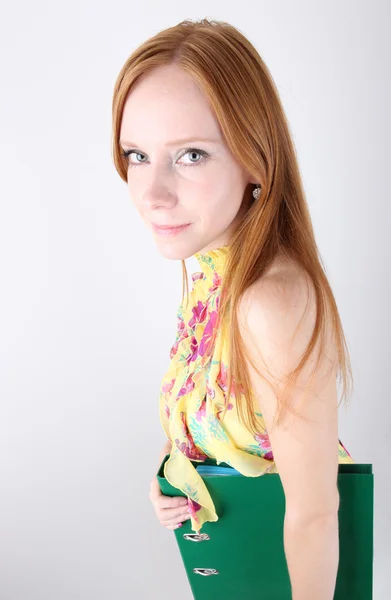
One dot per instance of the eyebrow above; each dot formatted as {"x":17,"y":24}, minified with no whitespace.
{"x":178,"y":142}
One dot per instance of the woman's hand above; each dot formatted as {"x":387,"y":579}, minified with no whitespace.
{"x":171,"y":511}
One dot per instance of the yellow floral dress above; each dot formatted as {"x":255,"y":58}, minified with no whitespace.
{"x":192,"y":397}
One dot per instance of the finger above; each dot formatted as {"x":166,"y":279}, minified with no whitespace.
{"x":172,"y":502}
{"x":168,"y":518}
{"x":174,"y":526}
{"x":175,"y":522}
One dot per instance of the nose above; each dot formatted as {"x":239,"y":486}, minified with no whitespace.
{"x":155,"y":196}
{"x":159,"y":189}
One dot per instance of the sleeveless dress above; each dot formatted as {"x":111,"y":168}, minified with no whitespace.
{"x":192,"y":397}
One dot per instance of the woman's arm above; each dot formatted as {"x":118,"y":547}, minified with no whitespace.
{"x":312,"y":553}
{"x":305,"y":450}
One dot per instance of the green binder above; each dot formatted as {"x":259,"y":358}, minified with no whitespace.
{"x":241,"y":556}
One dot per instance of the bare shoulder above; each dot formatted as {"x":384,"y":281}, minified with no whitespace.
{"x":277,"y":319}
{"x":279,"y":303}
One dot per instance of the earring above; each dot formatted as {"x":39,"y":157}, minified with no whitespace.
{"x":257,"y":192}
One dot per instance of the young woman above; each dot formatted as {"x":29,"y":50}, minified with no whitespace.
{"x":201,"y":139}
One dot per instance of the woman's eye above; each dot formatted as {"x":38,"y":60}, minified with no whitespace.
{"x":126,"y":154}
{"x":191,"y":151}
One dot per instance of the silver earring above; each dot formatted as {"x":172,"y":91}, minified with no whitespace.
{"x":257,"y":192}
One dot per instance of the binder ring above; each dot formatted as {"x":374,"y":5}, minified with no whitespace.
{"x":196,"y":537}
{"x":205,"y":572}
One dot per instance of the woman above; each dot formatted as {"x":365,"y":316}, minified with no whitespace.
{"x":200,"y":137}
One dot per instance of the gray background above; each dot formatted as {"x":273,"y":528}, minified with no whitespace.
{"x":88,"y":306}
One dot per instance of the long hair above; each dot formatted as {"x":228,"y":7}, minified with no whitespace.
{"x":246,"y":104}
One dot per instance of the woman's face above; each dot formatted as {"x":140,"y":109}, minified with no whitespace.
{"x":180,"y":171}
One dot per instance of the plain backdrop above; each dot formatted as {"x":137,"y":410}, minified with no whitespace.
{"x":88,"y":305}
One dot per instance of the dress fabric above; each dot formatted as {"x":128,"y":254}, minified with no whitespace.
{"x":192,"y":398}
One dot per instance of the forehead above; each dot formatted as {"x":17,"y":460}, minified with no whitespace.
{"x":167,"y":104}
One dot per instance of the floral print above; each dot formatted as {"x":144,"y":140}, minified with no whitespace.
{"x":193,"y":394}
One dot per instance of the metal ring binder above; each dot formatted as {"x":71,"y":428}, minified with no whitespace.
{"x":205,"y":572}
{"x":196,"y":537}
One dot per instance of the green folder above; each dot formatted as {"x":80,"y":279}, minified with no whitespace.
{"x":241,"y":556}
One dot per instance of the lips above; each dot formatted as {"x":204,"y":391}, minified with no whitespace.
{"x":169,"y":226}
{"x":169,"y":229}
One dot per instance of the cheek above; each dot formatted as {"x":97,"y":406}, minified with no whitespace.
{"x":214,"y":210}
{"x":221,"y":198}
{"x":135,"y":190}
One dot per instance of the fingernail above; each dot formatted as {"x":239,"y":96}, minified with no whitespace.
{"x":179,"y":525}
